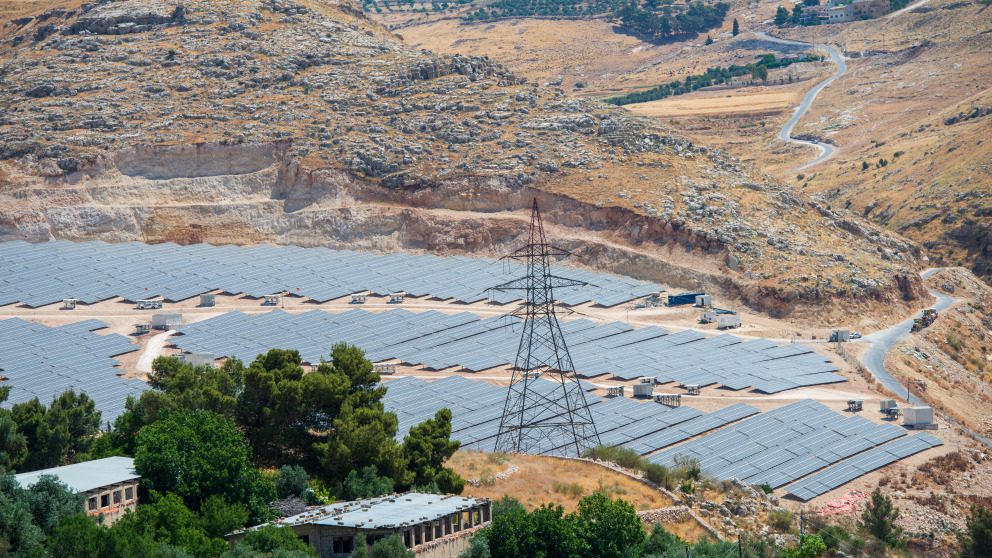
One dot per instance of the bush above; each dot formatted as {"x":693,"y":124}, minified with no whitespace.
{"x":658,"y":474}
{"x":367,"y":484}
{"x":291,"y":481}
{"x":570,"y":488}
{"x":782,"y":520}
{"x":687,"y":467}
{"x":626,"y":458}
{"x":864,"y":165}
{"x":766,"y":488}
{"x":687,"y":488}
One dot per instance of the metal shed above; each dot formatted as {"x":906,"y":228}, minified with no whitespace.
{"x":166,"y":321}
{"x":207,"y":299}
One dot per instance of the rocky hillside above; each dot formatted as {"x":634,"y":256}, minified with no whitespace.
{"x":275,"y":121}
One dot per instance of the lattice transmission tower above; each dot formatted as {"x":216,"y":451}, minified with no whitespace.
{"x":541,"y":416}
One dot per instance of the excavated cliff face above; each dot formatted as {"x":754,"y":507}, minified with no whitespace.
{"x":260,"y":194}
{"x":304,"y":123}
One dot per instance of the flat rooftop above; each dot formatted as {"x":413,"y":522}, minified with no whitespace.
{"x":386,"y":512}
{"x":81,"y":477}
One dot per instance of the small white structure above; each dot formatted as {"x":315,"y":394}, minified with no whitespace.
{"x":142,"y":329}
{"x":397,"y":298}
{"x":359,"y":298}
{"x":271,"y":300}
{"x":704,"y":300}
{"x":841,"y":335}
{"x":166,"y":321}
{"x":707,"y":317}
{"x":69,"y":303}
{"x":207,"y":299}
{"x":148,"y":305}
{"x":917,"y":416}
{"x":725,"y":321}
{"x":643,"y":390}
{"x":385,"y":368}
{"x":886,"y":404}
{"x":197,"y":359}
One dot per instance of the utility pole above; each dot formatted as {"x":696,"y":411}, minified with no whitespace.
{"x":802,"y":525}
{"x":740,"y":547}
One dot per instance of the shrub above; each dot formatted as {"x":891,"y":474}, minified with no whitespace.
{"x":766,"y":488}
{"x":781,"y":520}
{"x":658,"y":474}
{"x":864,"y":165}
{"x":626,"y":458}
{"x":569,"y":488}
{"x":687,"y":488}
{"x":291,"y":481}
{"x":687,"y":467}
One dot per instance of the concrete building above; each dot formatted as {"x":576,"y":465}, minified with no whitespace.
{"x":843,"y":12}
{"x":432,"y":525}
{"x":110,"y":485}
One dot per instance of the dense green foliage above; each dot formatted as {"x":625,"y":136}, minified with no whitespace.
{"x":389,"y":547}
{"x":28,"y":516}
{"x":196,"y":454}
{"x":366,"y":484}
{"x":330,"y":421}
{"x":713,"y":76}
{"x":599,"y":528}
{"x":39,"y":437}
{"x":684,"y":470}
{"x":976,"y":540}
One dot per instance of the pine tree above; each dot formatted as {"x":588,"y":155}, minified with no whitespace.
{"x":737,"y":27}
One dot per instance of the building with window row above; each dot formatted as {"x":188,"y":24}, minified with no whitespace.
{"x":109,"y":485}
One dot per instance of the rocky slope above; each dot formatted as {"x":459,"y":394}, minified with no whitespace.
{"x":273,"y":121}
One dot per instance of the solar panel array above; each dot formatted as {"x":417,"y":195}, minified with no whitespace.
{"x":846,"y":471}
{"x":39,"y":274}
{"x":783,"y":445}
{"x":43,"y":362}
{"x":439,"y":341}
{"x":477,"y":407}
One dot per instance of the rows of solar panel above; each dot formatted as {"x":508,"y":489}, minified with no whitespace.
{"x":43,"y":273}
{"x":782,"y":445}
{"x":43,"y":362}
{"x":862,"y":464}
{"x":439,"y":341}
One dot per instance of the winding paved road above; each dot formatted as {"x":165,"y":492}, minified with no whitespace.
{"x":827,"y":151}
{"x":883,"y":341}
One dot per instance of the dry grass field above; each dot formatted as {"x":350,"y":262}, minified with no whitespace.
{"x":544,"y":480}
{"x":685,"y":105}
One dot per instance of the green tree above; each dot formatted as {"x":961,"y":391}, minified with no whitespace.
{"x":13,"y":444}
{"x":362,"y":548}
{"x":196,"y":454}
{"x":737,"y":28}
{"x":291,"y":481}
{"x":613,"y":527}
{"x":878,"y":519}
{"x":976,"y":540}
{"x":366,"y":484}
{"x":218,"y":518}
{"x":28,"y":515}
{"x":391,"y":547}
{"x":427,"y":448}
{"x":709,"y":40}
{"x":781,"y":16}
{"x":660,"y":542}
{"x":167,"y":519}
{"x":56,"y":435}
{"x":477,"y":548}
{"x":273,"y":541}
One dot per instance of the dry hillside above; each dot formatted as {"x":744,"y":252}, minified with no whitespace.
{"x":306,"y":123}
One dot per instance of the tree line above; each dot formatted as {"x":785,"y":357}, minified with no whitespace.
{"x":241,"y":436}
{"x":713,"y":76}
{"x":672,"y":23}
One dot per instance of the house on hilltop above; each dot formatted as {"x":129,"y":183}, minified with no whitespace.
{"x":109,"y":485}
{"x":432,"y":525}
{"x":843,"y":12}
